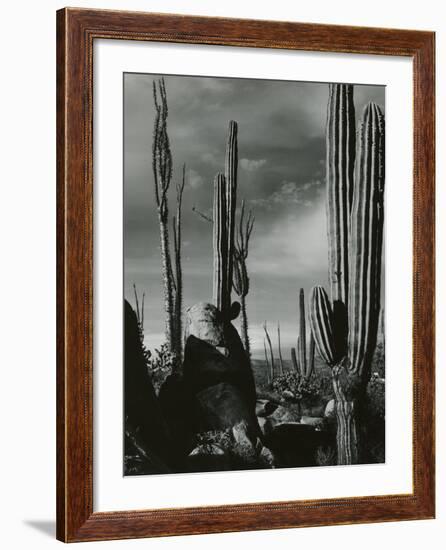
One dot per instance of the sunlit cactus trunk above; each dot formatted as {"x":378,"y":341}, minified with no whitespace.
{"x":366,"y":243}
{"x":351,"y":358}
{"x":366,"y":238}
{"x":340,"y":162}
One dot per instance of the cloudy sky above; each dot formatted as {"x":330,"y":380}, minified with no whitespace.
{"x":281,"y":127}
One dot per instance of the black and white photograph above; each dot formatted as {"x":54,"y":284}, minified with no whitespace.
{"x":254,"y":295}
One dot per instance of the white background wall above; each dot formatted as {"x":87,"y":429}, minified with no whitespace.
{"x":27,"y":307}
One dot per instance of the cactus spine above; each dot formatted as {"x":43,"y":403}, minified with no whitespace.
{"x":350,"y":358}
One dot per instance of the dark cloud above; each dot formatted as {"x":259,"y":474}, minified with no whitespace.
{"x":281,"y":177}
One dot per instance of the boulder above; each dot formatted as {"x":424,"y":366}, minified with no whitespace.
{"x":205,"y":331}
{"x":209,"y":449}
{"x":330,"y":409}
{"x":281,"y":415}
{"x":244,"y":446}
{"x":266,"y":458}
{"x":294,"y":444}
{"x":317,"y":422}
{"x":223,"y":406}
{"x":205,"y":366}
{"x":205,"y":322}
{"x":264,"y":407}
{"x":145,"y":426}
{"x":177,"y":405}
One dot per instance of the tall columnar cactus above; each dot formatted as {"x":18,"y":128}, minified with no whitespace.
{"x":220,"y":242}
{"x":225,"y":197}
{"x":303,"y":363}
{"x":231,"y":165}
{"x":302,"y":338}
{"x":321,"y":323}
{"x":366,"y":242}
{"x":351,"y":358}
{"x":340,"y":162}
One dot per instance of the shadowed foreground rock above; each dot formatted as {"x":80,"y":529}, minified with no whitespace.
{"x":223,"y":389}
{"x":145,"y":429}
{"x":295,"y":444}
{"x":206,"y":330}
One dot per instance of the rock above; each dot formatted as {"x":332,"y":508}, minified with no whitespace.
{"x":318,"y":423}
{"x":205,"y":322}
{"x":208,"y":458}
{"x":262,"y":422}
{"x":221,"y":384}
{"x":295,"y":444}
{"x":244,"y":447}
{"x":177,"y":405}
{"x":330,"y":409}
{"x":205,"y":366}
{"x":264,"y":407}
{"x":221,"y":407}
{"x":287,"y":394}
{"x":145,"y":426}
{"x":237,"y":355}
{"x":266,"y":458}
{"x":207,"y":449}
{"x":281,"y":415}
{"x":311,"y":409}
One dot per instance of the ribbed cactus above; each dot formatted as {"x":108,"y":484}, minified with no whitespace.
{"x":220,"y":242}
{"x":303,"y":363}
{"x":302,"y":339}
{"x":340,"y":162}
{"x":366,"y":242}
{"x":231,"y":164}
{"x":225,"y":196}
{"x":355,"y":233}
{"x":321,"y":323}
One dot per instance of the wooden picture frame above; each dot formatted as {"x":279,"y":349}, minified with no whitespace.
{"x":76,"y":31}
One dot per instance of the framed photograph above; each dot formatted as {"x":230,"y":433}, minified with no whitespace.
{"x":245,"y":275}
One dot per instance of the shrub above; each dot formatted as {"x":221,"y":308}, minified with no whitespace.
{"x":378,"y":362}
{"x":295,"y":387}
{"x":160,"y":365}
{"x":325,"y":456}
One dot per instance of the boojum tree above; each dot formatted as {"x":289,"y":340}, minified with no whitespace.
{"x":162,"y":174}
{"x":345,"y":327}
{"x":240,"y":282}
